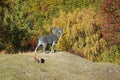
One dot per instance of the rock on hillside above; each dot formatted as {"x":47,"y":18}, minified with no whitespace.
{"x":77,"y":68}
{"x":57,"y":66}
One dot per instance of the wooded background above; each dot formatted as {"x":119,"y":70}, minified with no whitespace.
{"x":92,"y":27}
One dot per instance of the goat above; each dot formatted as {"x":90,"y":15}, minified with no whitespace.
{"x":50,"y":39}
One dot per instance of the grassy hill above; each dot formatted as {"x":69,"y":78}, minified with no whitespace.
{"x":57,"y":66}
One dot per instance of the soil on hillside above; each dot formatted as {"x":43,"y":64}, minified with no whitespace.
{"x":57,"y":66}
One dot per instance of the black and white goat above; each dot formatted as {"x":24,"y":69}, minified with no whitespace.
{"x":50,"y":39}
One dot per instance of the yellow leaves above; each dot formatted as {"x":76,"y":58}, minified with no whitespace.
{"x":102,"y":43}
{"x":62,"y":46}
{"x":61,"y":20}
{"x":82,"y":32}
{"x":75,"y":46}
{"x":76,"y":23}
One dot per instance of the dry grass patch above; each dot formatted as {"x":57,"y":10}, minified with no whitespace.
{"x":57,"y":66}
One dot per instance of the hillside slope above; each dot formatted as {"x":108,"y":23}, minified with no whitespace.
{"x":57,"y":66}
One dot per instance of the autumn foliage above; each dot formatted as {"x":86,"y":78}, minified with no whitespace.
{"x":111,"y":30}
{"x":91,"y":27}
{"x":82,"y":33}
{"x":111,"y":21}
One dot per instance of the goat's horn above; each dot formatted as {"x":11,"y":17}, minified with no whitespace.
{"x":52,"y":29}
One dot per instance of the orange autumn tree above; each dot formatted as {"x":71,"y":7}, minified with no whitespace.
{"x":111,"y":30}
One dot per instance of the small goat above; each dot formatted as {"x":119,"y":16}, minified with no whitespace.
{"x":50,"y":39}
{"x":38,"y":59}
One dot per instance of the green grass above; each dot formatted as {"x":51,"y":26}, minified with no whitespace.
{"x":57,"y":66}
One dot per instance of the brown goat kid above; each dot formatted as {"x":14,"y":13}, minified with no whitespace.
{"x":38,"y":59}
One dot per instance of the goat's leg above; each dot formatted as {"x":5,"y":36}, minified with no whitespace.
{"x":39,"y":43}
{"x":36,"y":48}
{"x":44,"y":47}
{"x":52,"y":48}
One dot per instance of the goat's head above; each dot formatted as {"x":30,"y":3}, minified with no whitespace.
{"x":57,"y":30}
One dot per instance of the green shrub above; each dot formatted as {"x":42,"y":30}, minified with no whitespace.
{"x":113,"y":55}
